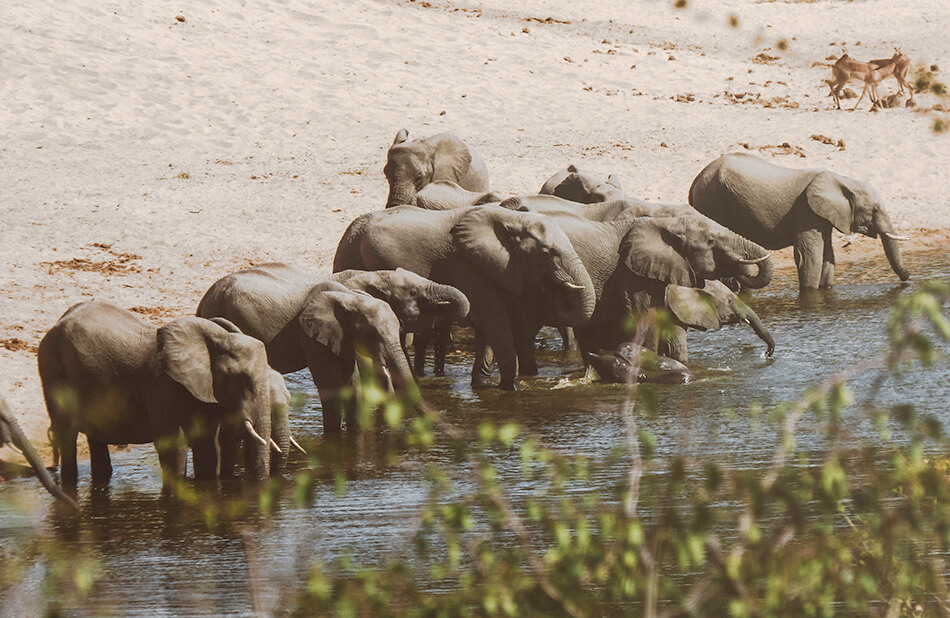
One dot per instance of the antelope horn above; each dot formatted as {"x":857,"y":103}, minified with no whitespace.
{"x":755,"y":260}
{"x":274,"y":446}
{"x":297,"y":446}
{"x":896,"y":237}
{"x":251,"y":432}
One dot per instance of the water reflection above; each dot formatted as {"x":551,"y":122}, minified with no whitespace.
{"x":160,"y":559}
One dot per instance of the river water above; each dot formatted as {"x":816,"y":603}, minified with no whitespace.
{"x":154,"y":558}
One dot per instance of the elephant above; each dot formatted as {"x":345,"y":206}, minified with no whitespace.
{"x":777,"y":207}
{"x":117,"y":379}
{"x":425,"y":309}
{"x":596,"y":211}
{"x":411,"y":165}
{"x":320,"y":325}
{"x":12,"y":435}
{"x":578,"y":186}
{"x":618,"y":366}
{"x":632,"y":261}
{"x":708,"y":308}
{"x":498,"y":258}
{"x":446,"y":195}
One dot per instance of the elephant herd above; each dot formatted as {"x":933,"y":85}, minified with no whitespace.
{"x":579,"y":255}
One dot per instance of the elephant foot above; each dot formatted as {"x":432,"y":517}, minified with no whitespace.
{"x":480,"y":382}
{"x":439,"y":372}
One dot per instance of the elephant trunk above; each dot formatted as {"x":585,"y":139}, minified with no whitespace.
{"x":760,"y":329}
{"x":19,"y":439}
{"x":401,"y":193}
{"x":580,"y":291}
{"x":453,"y":304}
{"x":756,"y":265}
{"x":882,"y":224}
{"x":256,"y":413}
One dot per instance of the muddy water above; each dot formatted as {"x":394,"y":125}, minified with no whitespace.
{"x":156,"y":560}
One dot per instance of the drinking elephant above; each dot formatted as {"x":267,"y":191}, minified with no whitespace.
{"x":632,"y":261}
{"x":776,"y":207}
{"x":117,"y":379}
{"x":596,"y":211}
{"x":708,"y":308}
{"x":315,"y":325}
{"x":411,"y":165}
{"x":631,"y":364}
{"x":579,"y":186}
{"x":230,"y":437}
{"x":496,"y":257}
{"x":12,"y":435}
{"x":447,"y":195}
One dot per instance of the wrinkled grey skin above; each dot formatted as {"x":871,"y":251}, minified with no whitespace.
{"x":579,"y":186}
{"x":777,"y":207}
{"x":498,"y":258}
{"x":709,"y":308}
{"x":425,"y":308}
{"x":597,"y":211}
{"x":448,"y":195}
{"x":619,"y":366}
{"x":411,"y":165}
{"x":319,"y":326}
{"x":631,"y":261}
{"x":231,"y":438}
{"x":120,"y":380}
{"x":11,"y":434}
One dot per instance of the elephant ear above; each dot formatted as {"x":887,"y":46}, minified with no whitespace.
{"x":452,"y":159}
{"x":650,"y":250}
{"x":184,"y":355}
{"x":401,"y":136}
{"x":693,"y":306}
{"x":484,"y":237}
{"x":327,"y":314}
{"x":613,"y":181}
{"x":830,"y":199}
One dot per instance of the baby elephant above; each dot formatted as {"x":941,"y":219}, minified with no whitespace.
{"x":117,"y":379}
{"x":629,"y":364}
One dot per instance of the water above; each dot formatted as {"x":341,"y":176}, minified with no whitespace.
{"x":157,"y":559}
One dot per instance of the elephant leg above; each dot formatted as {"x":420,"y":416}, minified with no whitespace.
{"x":524,"y":339}
{"x":335,"y":379}
{"x":481,"y":368}
{"x":228,"y":447}
{"x":499,"y":337}
{"x":64,"y":440}
{"x":828,"y":261}
{"x":172,"y":458}
{"x":809,"y":251}
{"x":99,"y":461}
{"x":420,"y":344}
{"x":204,"y":456}
{"x":568,"y":340}
{"x":443,"y":344}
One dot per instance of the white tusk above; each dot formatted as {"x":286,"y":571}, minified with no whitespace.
{"x":14,"y":449}
{"x":274,"y":446}
{"x":443,"y":302}
{"x":571,"y":286}
{"x":896,"y":237}
{"x":254,"y":434}
{"x":755,"y":261}
{"x":297,"y":446}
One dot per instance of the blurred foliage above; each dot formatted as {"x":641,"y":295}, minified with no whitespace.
{"x":854,"y":529}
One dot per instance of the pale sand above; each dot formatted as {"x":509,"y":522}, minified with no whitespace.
{"x":169,"y":153}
